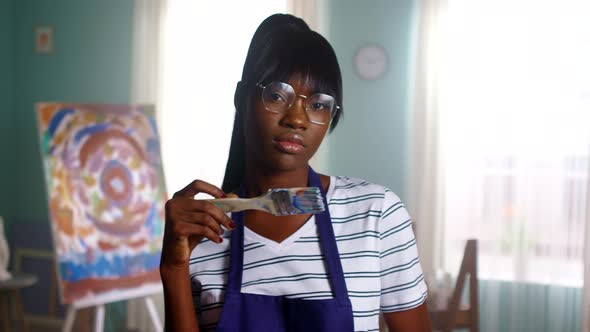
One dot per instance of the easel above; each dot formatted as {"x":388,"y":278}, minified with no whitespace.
{"x":53,"y":321}
{"x":100,"y":308}
{"x":456,"y":316}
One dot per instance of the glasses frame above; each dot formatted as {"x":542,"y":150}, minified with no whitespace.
{"x":332,"y":112}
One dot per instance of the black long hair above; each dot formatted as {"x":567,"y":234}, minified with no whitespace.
{"x":281,"y":46}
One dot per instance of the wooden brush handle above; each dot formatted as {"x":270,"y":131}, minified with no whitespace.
{"x":233,"y":204}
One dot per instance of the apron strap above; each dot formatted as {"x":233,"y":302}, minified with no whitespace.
{"x":236,"y":255}
{"x":328,"y":242}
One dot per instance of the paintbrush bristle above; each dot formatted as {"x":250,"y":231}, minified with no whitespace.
{"x":297,"y":201}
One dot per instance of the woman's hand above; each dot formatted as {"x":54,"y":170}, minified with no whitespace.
{"x":188,"y":221}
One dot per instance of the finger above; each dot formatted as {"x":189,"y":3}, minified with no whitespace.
{"x":209,"y":208}
{"x":232,"y":195}
{"x":198,"y":186}
{"x":188,"y":229}
{"x":200,"y":218}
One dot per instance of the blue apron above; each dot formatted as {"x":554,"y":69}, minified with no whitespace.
{"x":254,"y":312}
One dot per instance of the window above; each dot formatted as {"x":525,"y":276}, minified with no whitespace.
{"x":205,"y":45}
{"x":515,"y":128}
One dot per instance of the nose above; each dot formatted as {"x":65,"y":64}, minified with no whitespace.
{"x":296,"y":117}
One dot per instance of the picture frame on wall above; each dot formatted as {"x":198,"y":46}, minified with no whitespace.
{"x":44,"y":39}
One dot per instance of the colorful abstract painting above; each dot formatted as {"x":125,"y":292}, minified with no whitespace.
{"x":106,"y":195}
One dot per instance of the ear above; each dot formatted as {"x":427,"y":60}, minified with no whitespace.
{"x":238,"y":94}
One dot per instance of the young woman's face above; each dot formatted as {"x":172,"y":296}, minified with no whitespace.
{"x":283,"y":142}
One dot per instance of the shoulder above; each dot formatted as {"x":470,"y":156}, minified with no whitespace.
{"x":347,"y":189}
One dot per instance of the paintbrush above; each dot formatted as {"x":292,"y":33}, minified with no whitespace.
{"x":279,"y":202}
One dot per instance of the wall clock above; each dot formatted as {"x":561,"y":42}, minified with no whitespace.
{"x":371,"y":61}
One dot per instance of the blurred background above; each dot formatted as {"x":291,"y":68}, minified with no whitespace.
{"x":475,"y":112}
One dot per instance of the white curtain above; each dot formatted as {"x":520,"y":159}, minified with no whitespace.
{"x":148,"y":20}
{"x":307,"y":10}
{"x":516,"y":128}
{"x":500,"y":153}
{"x":425,"y":178}
{"x":586,"y":301}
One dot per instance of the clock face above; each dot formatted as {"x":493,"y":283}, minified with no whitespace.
{"x":370,"y":62}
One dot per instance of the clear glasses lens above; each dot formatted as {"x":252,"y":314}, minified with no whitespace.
{"x":319,"y":107}
{"x":278,"y":97}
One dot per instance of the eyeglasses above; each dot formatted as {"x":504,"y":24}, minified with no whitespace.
{"x":278,"y":97}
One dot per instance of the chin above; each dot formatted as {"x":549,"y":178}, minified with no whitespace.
{"x":286,"y":163}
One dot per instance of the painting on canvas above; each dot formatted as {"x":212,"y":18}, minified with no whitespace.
{"x":106,"y":194}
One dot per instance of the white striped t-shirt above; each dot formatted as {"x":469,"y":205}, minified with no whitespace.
{"x":377,"y":249}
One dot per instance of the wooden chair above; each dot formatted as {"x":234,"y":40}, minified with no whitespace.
{"x":10,"y":289}
{"x":457,"y":316}
{"x":51,"y":320}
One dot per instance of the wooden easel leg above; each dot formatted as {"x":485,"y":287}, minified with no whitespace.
{"x":99,"y":319}
{"x":4,"y":308}
{"x":153,"y":313}
{"x":69,"y":322}
{"x":52,"y":305}
{"x":18,"y":305}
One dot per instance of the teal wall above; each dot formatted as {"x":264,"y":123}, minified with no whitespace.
{"x":7,"y":111}
{"x":91,"y":63}
{"x":371,"y":141}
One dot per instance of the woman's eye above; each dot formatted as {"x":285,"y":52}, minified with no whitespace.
{"x":318,"y":106}
{"x":276,"y":97}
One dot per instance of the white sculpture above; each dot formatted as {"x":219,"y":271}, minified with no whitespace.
{"x":4,"y":254}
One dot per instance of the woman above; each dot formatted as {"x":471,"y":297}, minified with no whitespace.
{"x":334,"y":271}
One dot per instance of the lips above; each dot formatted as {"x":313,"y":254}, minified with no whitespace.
{"x":289,"y":143}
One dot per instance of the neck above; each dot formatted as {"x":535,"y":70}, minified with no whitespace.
{"x":259,"y":180}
